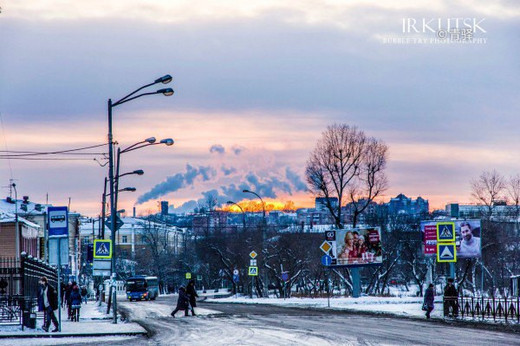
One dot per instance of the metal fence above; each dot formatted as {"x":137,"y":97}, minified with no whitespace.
{"x":19,"y":286}
{"x":505,"y":309}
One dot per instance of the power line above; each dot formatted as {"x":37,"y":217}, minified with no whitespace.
{"x":5,"y":144}
{"x":45,"y":159}
{"x":14,"y":153}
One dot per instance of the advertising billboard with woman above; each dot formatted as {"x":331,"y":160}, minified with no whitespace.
{"x":355,"y":247}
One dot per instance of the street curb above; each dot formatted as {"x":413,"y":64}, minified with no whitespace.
{"x":493,"y":326}
{"x":66,"y":335}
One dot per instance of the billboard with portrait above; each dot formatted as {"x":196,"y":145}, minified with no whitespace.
{"x":355,"y":247}
{"x":467,"y":238}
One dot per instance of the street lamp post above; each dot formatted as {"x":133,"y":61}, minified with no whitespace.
{"x":17,"y":231}
{"x":264,"y":239}
{"x":243,"y":214}
{"x":167,"y":92}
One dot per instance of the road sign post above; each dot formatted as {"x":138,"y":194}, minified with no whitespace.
{"x":253,"y":255}
{"x":58,"y":229}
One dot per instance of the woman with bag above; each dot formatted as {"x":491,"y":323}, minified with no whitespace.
{"x":429,"y":297}
{"x":75,"y":303}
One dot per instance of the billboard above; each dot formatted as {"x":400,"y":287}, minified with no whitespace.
{"x":467,"y":237}
{"x":355,"y":247}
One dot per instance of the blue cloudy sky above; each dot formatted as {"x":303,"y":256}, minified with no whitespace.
{"x":255,"y":85}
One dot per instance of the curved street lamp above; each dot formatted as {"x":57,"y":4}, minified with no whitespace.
{"x":257,"y":195}
{"x":264,"y":238}
{"x":167,"y":92}
{"x":243,"y":213}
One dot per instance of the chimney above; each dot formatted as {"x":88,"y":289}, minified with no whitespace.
{"x":133,"y":213}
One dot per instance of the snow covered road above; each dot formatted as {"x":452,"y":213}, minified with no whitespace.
{"x":236,"y":324}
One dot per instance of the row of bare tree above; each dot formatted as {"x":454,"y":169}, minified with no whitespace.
{"x":348,"y":165}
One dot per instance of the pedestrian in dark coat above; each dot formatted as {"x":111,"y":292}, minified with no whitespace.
{"x":450,"y":299}
{"x":192,"y":292}
{"x":75,"y":303}
{"x":183,"y":303}
{"x":84,"y":294}
{"x":49,"y":297}
{"x":68,"y":291}
{"x":429,"y":297}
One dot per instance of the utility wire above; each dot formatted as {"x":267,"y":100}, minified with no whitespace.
{"x":5,"y":144}
{"x":14,"y":154}
{"x":46,"y":159}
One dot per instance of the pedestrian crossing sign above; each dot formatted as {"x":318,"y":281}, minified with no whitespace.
{"x":253,"y":271}
{"x":446,"y":252}
{"x":103,"y":248}
{"x":446,"y":231}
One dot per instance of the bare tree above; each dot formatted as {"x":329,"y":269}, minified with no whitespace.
{"x":346,"y":161}
{"x":513,"y":191}
{"x":372,"y":180}
{"x":488,"y":189}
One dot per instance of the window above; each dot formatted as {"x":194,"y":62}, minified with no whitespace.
{"x":125,"y":239}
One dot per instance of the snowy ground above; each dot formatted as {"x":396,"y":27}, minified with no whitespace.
{"x":404,"y":306}
{"x":263,"y":324}
{"x":94,"y":322}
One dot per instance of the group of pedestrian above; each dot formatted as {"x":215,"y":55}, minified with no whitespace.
{"x":451,"y":306}
{"x":187,"y":299}
{"x":73,"y":296}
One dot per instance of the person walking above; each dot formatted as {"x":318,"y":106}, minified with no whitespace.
{"x":182,"y":303}
{"x":450,"y":299}
{"x":429,"y":297}
{"x":84,"y":294}
{"x":75,"y":303}
{"x":192,"y":293}
{"x":68,"y":292}
{"x":49,"y":297}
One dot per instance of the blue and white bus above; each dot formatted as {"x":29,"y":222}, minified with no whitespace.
{"x":142,"y":287}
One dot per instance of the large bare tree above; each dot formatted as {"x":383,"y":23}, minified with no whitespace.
{"x":488,"y":189}
{"x":346,"y":163}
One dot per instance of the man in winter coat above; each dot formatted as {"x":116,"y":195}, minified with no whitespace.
{"x":450,"y":299}
{"x":50,"y":303}
{"x":429,"y":296}
{"x":192,"y":293}
{"x":183,"y":302}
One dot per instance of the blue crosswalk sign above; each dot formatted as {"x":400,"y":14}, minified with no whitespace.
{"x":102,"y":249}
{"x":446,"y":231}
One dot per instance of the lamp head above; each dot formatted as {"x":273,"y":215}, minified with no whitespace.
{"x":165,"y":92}
{"x":150,"y":140}
{"x":164,"y":79}
{"x":230,"y":202}
{"x":246,"y":191}
{"x":167,"y":141}
{"x":129,"y":189}
{"x":138,"y":172}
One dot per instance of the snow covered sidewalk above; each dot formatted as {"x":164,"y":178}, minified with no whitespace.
{"x":401,"y":306}
{"x":93,"y":322}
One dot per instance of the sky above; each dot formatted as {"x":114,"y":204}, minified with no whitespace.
{"x":255,"y":85}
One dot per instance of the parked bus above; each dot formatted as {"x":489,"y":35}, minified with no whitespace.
{"x":142,"y":287}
